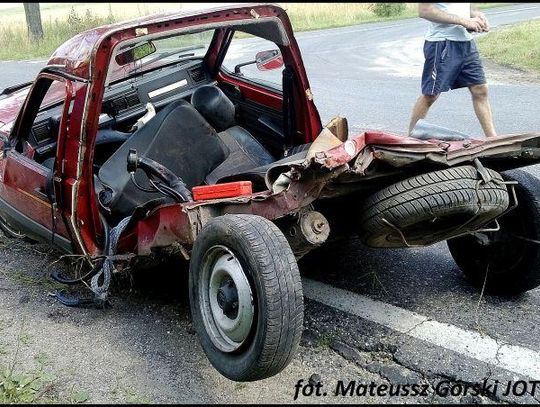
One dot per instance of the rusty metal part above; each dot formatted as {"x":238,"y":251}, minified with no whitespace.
{"x":310,"y":230}
{"x":512,"y":148}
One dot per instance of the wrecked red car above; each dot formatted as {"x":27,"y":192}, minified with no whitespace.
{"x":197,"y":132}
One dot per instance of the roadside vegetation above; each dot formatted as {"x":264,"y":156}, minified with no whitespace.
{"x":517,"y":46}
{"x":313,"y":16}
{"x":23,"y":384}
{"x":63,"y":21}
{"x":17,"y":45}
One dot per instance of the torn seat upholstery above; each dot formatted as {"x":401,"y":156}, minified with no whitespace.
{"x":244,"y":152}
{"x":179,"y":138}
{"x":199,"y":143}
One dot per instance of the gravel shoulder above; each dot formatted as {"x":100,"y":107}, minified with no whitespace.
{"x":508,"y":75}
{"x":144,"y":350}
{"x":141,"y":350}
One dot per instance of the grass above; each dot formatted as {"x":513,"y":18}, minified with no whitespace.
{"x":17,"y":45}
{"x":129,"y":395}
{"x":489,"y":5}
{"x":25,"y":387}
{"x":313,"y":16}
{"x":50,"y":11}
{"x":324,"y":340}
{"x":240,"y":386}
{"x":32,"y":385}
{"x":517,"y":46}
{"x":62,"y":21}
{"x":42,"y":281}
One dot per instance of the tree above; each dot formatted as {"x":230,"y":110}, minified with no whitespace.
{"x":33,"y":20}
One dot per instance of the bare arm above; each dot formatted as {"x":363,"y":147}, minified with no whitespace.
{"x":431,"y":13}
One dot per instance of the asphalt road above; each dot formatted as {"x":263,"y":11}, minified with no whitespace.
{"x":371,"y":75}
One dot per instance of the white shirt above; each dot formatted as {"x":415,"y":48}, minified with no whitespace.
{"x":452,"y":32}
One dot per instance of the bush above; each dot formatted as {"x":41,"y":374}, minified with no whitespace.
{"x":17,"y":44}
{"x":388,"y":9}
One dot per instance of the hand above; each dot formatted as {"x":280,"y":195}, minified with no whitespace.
{"x":474,"y":24}
{"x":485,"y":22}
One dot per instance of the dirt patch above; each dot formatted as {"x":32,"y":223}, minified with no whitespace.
{"x":141,"y":350}
{"x":508,"y":75}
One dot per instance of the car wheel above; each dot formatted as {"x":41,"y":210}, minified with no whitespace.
{"x":510,"y":256}
{"x":246,"y":296}
{"x":431,"y":207}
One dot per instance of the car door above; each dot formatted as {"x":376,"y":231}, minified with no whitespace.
{"x":257,"y":94}
{"x":27,"y":188}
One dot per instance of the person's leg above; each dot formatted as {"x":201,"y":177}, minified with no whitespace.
{"x":421,"y":108}
{"x":473,"y":77}
{"x":438,"y":73}
{"x":482,"y":108}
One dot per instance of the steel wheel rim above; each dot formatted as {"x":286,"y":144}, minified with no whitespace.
{"x":226,"y":299}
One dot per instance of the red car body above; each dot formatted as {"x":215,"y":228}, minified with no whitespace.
{"x":82,"y":62}
{"x":85,"y":58}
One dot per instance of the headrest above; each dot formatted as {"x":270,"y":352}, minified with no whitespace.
{"x":214,"y":106}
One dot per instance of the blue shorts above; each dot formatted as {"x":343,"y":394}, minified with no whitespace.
{"x":451,"y":65}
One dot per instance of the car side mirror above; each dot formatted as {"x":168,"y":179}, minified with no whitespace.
{"x":265,"y":60}
{"x":269,"y":60}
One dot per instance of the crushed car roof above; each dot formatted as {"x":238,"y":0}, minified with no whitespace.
{"x":74,"y":55}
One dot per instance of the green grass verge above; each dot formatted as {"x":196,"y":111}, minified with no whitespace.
{"x":490,"y":5}
{"x":517,"y":46}
{"x":63,"y":21}
{"x":17,"y":45}
{"x":316,"y":16}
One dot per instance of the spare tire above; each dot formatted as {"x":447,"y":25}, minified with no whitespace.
{"x":432,"y":207}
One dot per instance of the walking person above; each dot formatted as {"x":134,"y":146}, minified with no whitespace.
{"x":452,"y":60}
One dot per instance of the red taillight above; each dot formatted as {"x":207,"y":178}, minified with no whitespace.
{"x":226,"y":190}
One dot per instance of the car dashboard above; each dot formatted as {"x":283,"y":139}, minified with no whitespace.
{"x":126,"y":100}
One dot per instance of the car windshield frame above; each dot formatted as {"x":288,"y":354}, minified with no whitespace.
{"x":165,"y":45}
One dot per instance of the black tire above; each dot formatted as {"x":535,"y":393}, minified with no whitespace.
{"x":428,"y":208}
{"x":269,"y":264}
{"x":514,"y":263}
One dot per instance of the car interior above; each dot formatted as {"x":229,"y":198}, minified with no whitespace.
{"x":201,"y":131}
